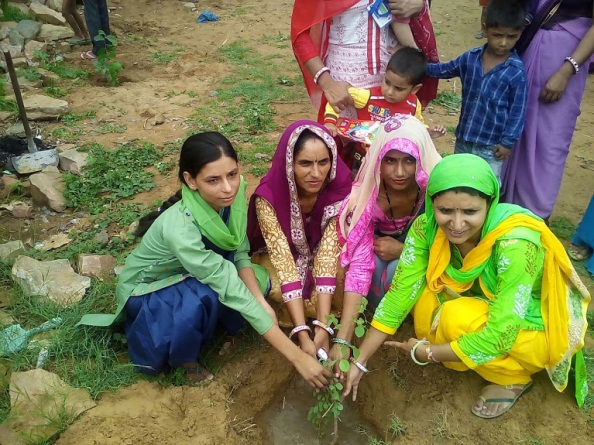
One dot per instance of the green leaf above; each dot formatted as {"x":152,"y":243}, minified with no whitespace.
{"x":339,"y":386}
{"x":360,"y":331}
{"x":344,"y":365}
{"x":356,"y":352}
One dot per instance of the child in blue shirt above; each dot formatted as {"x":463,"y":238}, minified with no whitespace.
{"x":494,"y":87}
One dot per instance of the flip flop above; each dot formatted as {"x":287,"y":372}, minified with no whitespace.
{"x":196,"y":374}
{"x":518,"y":390}
{"x":578,"y":253}
{"x":88,"y":55}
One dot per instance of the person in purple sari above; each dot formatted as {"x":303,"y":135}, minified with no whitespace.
{"x":556,"y":49}
{"x":293,"y":233}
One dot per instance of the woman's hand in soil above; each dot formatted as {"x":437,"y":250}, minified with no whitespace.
{"x":321,"y":339}
{"x":312,"y":371}
{"x":387,"y":248}
{"x":405,"y":346}
{"x":307,"y":345}
{"x":352,"y":381}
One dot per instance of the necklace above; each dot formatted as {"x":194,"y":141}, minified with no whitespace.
{"x":390,"y":203}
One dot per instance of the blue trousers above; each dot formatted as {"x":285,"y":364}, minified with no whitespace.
{"x":97,"y":18}
{"x":483,"y":151}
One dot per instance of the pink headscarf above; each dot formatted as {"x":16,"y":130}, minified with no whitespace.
{"x":403,"y":133}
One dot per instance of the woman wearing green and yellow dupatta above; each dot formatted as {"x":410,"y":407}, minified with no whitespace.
{"x":490,"y":289}
{"x":192,"y":270}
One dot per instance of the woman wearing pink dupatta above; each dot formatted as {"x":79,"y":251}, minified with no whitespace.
{"x":292,"y":228}
{"x":387,"y":195}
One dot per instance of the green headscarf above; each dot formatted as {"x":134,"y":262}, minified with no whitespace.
{"x":466,"y":170}
{"x":227,"y":237}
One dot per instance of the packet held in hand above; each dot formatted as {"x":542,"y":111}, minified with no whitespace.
{"x":357,"y":130}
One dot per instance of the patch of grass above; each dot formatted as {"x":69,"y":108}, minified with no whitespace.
{"x":29,"y":73}
{"x":163,"y":58}
{"x":111,"y":128}
{"x":111,"y":175}
{"x":451,"y":101}
{"x":68,"y":135}
{"x":371,"y":438}
{"x":13,"y":14}
{"x":562,"y":227}
{"x":57,"y":66}
{"x":451,"y":129}
{"x":56,"y":92}
{"x":72,"y":119}
{"x":397,"y":427}
{"x":532,"y":441}
{"x":440,"y":426}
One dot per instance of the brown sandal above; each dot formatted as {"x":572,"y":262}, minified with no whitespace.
{"x":196,"y":374}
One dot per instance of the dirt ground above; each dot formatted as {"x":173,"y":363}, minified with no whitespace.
{"x":434,"y":403}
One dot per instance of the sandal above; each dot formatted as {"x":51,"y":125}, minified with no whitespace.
{"x":518,"y":391}
{"x":88,"y":55}
{"x":578,"y":253}
{"x":196,"y":374}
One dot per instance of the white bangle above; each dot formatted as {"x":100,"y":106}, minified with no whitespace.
{"x":324,"y":326}
{"x":361,"y":367}
{"x":575,"y":65}
{"x":297,"y":329}
{"x":322,"y":70}
{"x":414,"y":349}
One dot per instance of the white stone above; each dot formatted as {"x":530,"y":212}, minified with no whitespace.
{"x":33,"y":45}
{"x":40,"y":107}
{"x":49,"y":33}
{"x":43,"y":401}
{"x":11,"y":250}
{"x":98,"y":266}
{"x":16,"y":130}
{"x":73,"y":161}
{"x":56,"y":5}
{"x":47,"y":189}
{"x":55,"y":280}
{"x":42,"y":13}
{"x":28,"y":28}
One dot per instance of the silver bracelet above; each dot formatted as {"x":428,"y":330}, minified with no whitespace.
{"x":361,"y":367}
{"x":319,"y":73}
{"x":324,"y":326}
{"x":342,"y":341}
{"x":575,"y":65}
{"x":414,"y":349}
{"x":297,"y":329}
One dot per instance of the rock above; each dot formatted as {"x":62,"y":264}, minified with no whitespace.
{"x":189,"y":5}
{"x":28,"y":28}
{"x":20,"y":1}
{"x":46,"y":15}
{"x":15,"y":38}
{"x":14,"y":50}
{"x":4,"y":31}
{"x":43,"y":2}
{"x":7,"y":182}
{"x":159,"y":119}
{"x":49,"y":33}
{"x":16,"y":130}
{"x":56,"y":5}
{"x":33,"y":45}
{"x":5,"y":320}
{"x":55,"y":241}
{"x":55,"y":280}
{"x":73,"y":161}
{"x":98,"y":266}
{"x":65,"y":147}
{"x":102,"y":238}
{"x":40,"y":107}
{"x":11,"y":250}
{"x":47,"y":77}
{"x":47,"y":189}
{"x":44,"y":403}
{"x":5,"y":115}
{"x":21,"y":210}
{"x":29,"y":85}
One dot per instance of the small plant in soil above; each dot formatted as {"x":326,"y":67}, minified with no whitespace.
{"x":106,"y":64}
{"x":397,"y":427}
{"x":329,"y":401}
{"x":57,"y":66}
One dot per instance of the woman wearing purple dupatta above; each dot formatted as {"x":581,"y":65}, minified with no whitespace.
{"x":292,"y":228}
{"x":556,"y":49}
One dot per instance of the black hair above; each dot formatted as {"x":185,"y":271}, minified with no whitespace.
{"x":468,"y":190}
{"x":409,"y":63}
{"x":506,"y":14}
{"x":196,"y":152}
{"x":305,"y":137}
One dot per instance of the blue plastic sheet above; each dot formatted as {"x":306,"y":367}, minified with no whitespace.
{"x":207,"y":16}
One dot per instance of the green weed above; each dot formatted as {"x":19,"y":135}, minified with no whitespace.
{"x":111,"y":175}
{"x":451,"y":101}
{"x":451,"y":129}
{"x":111,"y":128}
{"x":56,"y":65}
{"x":106,"y":64}
{"x":66,"y":135}
{"x":72,"y":119}
{"x":397,"y":427}
{"x":29,"y":73}
{"x":13,"y":14}
{"x":562,"y":227}
{"x":55,"y":91}
{"x":163,"y":58}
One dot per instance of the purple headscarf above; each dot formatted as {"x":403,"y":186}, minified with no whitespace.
{"x":278,"y":188}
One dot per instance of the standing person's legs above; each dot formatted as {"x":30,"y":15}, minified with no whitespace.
{"x":104,"y":16}
{"x":74,"y":20}
{"x":97,"y":18}
{"x":483,"y":151}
